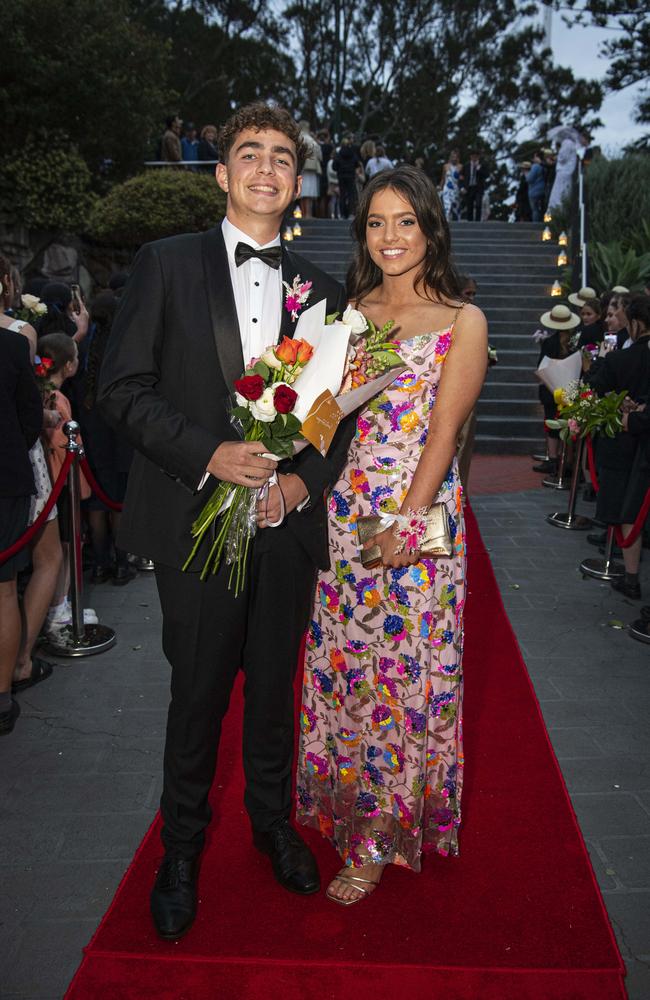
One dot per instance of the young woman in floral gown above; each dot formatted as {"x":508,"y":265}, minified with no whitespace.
{"x":380,"y":764}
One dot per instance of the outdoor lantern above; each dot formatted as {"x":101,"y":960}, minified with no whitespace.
{"x":546,"y":235}
{"x":556,"y":290}
{"x":561,"y":258}
{"x":297,"y":212}
{"x":548,"y":217}
{"x":287,"y":234}
{"x":563,"y":240}
{"x":297,"y":229}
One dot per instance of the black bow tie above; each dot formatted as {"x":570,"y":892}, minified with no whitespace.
{"x":271,"y":256}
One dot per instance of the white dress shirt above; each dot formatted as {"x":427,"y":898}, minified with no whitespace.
{"x":258,"y":294}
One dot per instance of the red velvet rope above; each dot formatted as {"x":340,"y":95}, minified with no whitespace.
{"x":626,"y":540}
{"x":592,"y":464}
{"x":96,"y":488}
{"x":34,"y":528}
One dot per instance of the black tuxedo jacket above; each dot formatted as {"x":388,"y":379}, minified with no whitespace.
{"x":166,"y":384}
{"x":482,"y":175}
{"x":21,"y":415}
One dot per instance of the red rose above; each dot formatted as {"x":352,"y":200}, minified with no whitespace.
{"x":250,"y":386}
{"x":284,"y":398}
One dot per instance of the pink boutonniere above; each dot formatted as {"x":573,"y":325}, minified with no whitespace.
{"x":296,"y":296}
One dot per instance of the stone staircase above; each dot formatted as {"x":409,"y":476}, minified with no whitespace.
{"x":514,"y":271}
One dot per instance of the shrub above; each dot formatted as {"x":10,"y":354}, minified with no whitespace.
{"x":46,"y":187}
{"x":618,"y":198}
{"x":612,"y":264}
{"x":156,"y":204}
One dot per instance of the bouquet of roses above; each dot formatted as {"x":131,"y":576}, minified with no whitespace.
{"x":286,"y":403}
{"x":581,"y":412}
{"x":31,"y":310}
{"x":42,"y":368}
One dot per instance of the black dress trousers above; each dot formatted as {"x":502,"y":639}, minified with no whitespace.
{"x":208,"y":634}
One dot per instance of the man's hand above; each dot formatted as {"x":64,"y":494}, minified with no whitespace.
{"x":294,"y":492}
{"x":241,"y":462}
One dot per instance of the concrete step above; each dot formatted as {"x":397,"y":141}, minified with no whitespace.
{"x":485,"y":444}
{"x":509,"y":409}
{"x":502,"y":391}
{"x":526,"y":425}
{"x":520,"y":359}
{"x":507,"y":372}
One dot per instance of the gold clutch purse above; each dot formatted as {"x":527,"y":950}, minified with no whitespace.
{"x":436,"y":541}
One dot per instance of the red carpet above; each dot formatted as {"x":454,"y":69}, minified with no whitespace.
{"x":518,"y":916}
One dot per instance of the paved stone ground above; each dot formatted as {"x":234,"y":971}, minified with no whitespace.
{"x":79,"y":782}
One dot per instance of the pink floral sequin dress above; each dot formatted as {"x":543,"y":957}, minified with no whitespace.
{"x":380,"y":764}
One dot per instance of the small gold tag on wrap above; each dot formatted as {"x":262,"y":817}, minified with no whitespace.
{"x":319,"y":426}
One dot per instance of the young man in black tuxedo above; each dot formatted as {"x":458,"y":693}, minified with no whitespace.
{"x":476,"y":176}
{"x":196,"y":308}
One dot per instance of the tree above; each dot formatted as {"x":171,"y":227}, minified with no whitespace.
{"x":627,"y":52}
{"x":88,"y":70}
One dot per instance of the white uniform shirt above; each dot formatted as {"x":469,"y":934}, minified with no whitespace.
{"x":258,"y":294}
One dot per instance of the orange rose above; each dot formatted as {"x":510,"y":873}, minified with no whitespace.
{"x":305,"y":351}
{"x":287,"y":351}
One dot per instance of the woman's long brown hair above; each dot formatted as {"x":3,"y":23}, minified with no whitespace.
{"x":437,"y":274}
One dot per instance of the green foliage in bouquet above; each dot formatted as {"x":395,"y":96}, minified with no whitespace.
{"x":45,"y":186}
{"x":581,"y":412}
{"x":156,"y":204}
{"x":612,"y":264}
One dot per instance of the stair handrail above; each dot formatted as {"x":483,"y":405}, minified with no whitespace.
{"x":582,"y":208}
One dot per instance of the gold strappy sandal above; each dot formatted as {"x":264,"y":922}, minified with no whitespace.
{"x":358,"y":883}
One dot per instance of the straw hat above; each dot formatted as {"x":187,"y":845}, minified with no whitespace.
{"x":621,"y":290}
{"x":579,"y":298}
{"x":559,"y":318}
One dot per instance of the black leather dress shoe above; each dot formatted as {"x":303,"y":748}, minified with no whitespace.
{"x":631,"y":590}
{"x":294,"y":866}
{"x":173,"y":897}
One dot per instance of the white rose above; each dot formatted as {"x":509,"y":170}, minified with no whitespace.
{"x":270,"y":359}
{"x":30,"y":301}
{"x":263,"y":409}
{"x":241,"y":400}
{"x":40,"y":309}
{"x":355,"y":320}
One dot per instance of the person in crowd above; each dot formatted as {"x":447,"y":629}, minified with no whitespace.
{"x":365,"y":793}
{"x":45,"y":547}
{"x":63,"y":352}
{"x":420,"y":163}
{"x":21,"y":413}
{"x":592,"y":328}
{"x":567,"y":159}
{"x":117,"y":282}
{"x":326,"y":152}
{"x":476,"y":177}
{"x":451,"y":186}
{"x":535,"y":181}
{"x":616,"y":318}
{"x":207,"y":148}
{"x":367,"y":151}
{"x":35,"y":286}
{"x":166,"y":386}
{"x":623,"y":470}
{"x":190,"y":143}
{"x":468,"y":287}
{"x":378,"y":162}
{"x":346,"y":164}
{"x":64,"y":314}
{"x":563,"y":322}
{"x":522,"y":199}
{"x":311,"y":172}
{"x":333,"y":191}
{"x":109,"y":455}
{"x":549,"y":164}
{"x":171,"y":150}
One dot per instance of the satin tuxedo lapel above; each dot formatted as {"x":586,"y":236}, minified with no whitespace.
{"x":221,"y":301}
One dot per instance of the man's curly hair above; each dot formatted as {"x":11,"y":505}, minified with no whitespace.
{"x":260,"y":116}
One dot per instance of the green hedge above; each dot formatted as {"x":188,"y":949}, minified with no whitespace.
{"x":156,"y":204}
{"x":618,"y":199}
{"x":46,"y":187}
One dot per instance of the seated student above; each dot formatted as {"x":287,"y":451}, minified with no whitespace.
{"x":64,"y":354}
{"x":622,"y":472}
